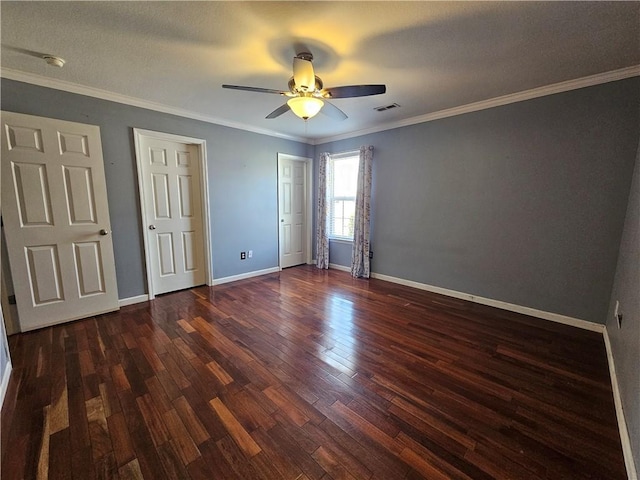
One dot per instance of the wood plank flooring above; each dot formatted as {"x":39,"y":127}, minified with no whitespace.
{"x":309,"y":374}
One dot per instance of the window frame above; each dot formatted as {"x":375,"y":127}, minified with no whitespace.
{"x":331,"y":198}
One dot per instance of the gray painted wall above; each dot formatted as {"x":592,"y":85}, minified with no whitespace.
{"x":242,"y":169}
{"x":523,"y":203}
{"x":625,"y":341}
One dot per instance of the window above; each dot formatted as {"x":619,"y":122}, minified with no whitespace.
{"x":342,"y":184}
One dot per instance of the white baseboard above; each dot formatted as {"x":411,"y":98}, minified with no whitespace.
{"x":243,"y":276}
{"x":6,"y":375}
{"x":216,"y":281}
{"x":123,"y":302}
{"x":554,"y":317}
{"x":342,"y":268}
{"x":622,"y":424}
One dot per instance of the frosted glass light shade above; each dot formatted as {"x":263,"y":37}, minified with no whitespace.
{"x":305,"y":107}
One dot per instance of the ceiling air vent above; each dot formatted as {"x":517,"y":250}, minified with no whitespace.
{"x":386,"y":107}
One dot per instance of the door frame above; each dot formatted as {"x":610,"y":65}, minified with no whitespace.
{"x":308,"y":198}
{"x":201,"y":146}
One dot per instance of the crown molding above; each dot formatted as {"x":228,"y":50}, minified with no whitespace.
{"x":554,"y":88}
{"x":560,"y":87}
{"x":70,"y":87}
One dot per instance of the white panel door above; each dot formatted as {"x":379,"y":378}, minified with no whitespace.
{"x":171,"y":187}
{"x":56,"y":215}
{"x":292,"y":175}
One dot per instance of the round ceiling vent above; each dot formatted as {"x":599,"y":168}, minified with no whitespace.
{"x":54,"y":61}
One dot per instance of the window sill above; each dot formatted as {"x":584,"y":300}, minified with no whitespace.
{"x":341,"y":240}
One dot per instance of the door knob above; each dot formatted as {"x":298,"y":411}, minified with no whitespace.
{"x":152,"y":227}
{"x":104,"y":232}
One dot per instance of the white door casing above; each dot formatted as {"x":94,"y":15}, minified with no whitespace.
{"x":294,"y":210}
{"x":175,"y":217}
{"x":5,"y":356}
{"x":56,"y":217}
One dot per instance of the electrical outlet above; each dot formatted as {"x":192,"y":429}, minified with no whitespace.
{"x":243,"y":255}
{"x":250,"y":253}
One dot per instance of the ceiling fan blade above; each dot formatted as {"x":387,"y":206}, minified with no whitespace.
{"x":255,"y":89}
{"x":279,"y":111}
{"x":353,"y":91}
{"x":330,"y":110}
{"x":303,"y":75}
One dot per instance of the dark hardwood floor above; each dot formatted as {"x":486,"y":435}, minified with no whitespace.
{"x":309,"y":374}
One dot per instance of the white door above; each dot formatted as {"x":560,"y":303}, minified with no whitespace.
{"x":172,"y":195}
{"x":292,"y":206}
{"x":55,"y":211}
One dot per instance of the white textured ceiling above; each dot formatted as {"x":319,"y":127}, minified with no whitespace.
{"x":431,"y":55}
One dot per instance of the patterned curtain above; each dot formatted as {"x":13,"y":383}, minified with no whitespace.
{"x":322,"y":235}
{"x":360,"y":266}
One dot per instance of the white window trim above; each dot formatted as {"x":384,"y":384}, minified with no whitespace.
{"x":340,"y":156}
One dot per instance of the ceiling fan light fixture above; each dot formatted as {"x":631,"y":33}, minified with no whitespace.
{"x":306,"y":91}
{"x":305,"y":107}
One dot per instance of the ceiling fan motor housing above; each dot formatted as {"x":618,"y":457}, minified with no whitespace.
{"x":318,"y":86}
{"x":303,"y":74}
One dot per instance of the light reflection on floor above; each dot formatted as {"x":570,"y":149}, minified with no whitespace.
{"x":338,"y":326}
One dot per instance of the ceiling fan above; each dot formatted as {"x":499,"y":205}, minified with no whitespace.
{"x":307,"y":93}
